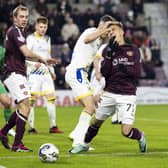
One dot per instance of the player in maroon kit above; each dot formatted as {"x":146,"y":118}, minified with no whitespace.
{"x":121,"y":69}
{"x":14,"y":76}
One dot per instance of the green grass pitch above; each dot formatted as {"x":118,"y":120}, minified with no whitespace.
{"x":112,"y":150}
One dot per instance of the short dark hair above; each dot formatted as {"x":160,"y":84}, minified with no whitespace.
{"x":106,"y":18}
{"x":42,"y":19}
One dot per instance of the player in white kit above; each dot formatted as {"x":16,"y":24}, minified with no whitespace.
{"x":40,"y":76}
{"x":77,"y":72}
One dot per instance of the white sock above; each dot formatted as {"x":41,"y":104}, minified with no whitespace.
{"x":31,"y":117}
{"x":51,"y":113}
{"x":114,"y":117}
{"x":81,"y":128}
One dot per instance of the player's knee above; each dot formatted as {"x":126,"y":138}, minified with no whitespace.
{"x":24,"y":107}
{"x":125,"y":130}
{"x":7,"y":103}
{"x":90,"y":107}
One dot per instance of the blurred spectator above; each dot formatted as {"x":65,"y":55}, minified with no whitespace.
{"x":114,"y":12}
{"x":58,"y":17}
{"x":98,"y":2}
{"x":87,"y":15}
{"x":33,"y":16}
{"x":66,"y":54}
{"x":64,"y":6}
{"x":60,"y":81}
{"x":54,"y":32}
{"x":147,"y":64}
{"x":128,"y":36}
{"x":100,"y":11}
{"x":77,"y":17}
{"x":3,"y":29}
{"x":156,"y":52}
{"x":140,"y":38}
{"x":108,"y":5}
{"x":138,"y":7}
{"x":91,"y":23}
{"x":42,"y":7}
{"x":69,"y":29}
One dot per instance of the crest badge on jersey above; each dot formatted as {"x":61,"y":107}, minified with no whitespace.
{"x":130,"y":53}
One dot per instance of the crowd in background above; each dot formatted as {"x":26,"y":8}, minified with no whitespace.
{"x":67,"y":21}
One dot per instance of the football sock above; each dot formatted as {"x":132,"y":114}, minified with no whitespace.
{"x":91,"y":133}
{"x":51,"y":108}
{"x":114,"y":117}
{"x":7,"y":113}
{"x":10,"y":124}
{"x":31,"y":117}
{"x":81,"y":128}
{"x":134,"y":134}
{"x":20,"y":128}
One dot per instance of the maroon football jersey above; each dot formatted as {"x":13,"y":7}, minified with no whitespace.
{"x":122,"y":71}
{"x":14,"y":59}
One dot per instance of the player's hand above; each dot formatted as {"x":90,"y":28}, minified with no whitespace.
{"x":112,"y":47}
{"x":49,"y":61}
{"x":37,"y":65}
{"x":104,"y":27}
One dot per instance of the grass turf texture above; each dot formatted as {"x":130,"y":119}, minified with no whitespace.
{"x":112,"y":149}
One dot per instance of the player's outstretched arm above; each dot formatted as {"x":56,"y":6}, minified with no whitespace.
{"x":34,"y":57}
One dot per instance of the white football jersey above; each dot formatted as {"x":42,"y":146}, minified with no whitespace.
{"x":84,"y":54}
{"x":42,"y":47}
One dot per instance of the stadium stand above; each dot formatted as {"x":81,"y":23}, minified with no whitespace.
{"x":145,"y":25}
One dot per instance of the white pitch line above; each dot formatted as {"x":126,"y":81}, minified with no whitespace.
{"x":155,"y":120}
{"x":94,"y":155}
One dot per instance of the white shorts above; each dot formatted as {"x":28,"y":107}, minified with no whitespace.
{"x":97,"y":86}
{"x":110,"y":103}
{"x":18,"y":87}
{"x":41,"y":84}
{"x":77,"y":80}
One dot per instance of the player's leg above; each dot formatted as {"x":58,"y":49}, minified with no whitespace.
{"x":84,"y":120}
{"x":77,"y":79}
{"x":128,"y":109}
{"x":31,"y":116}
{"x":48,"y":90}
{"x":7,"y":113}
{"x":6,"y":101}
{"x":104,"y":110}
{"x":18,"y":88}
{"x":114,"y":118}
{"x":34,"y":82}
{"x":51,"y":109}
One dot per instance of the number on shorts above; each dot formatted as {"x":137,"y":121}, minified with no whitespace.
{"x":129,"y":107}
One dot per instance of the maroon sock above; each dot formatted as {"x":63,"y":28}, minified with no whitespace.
{"x":10,"y":124}
{"x":20,"y":128}
{"x":134,"y":134}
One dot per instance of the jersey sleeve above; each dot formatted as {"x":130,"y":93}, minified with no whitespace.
{"x":18,"y":38}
